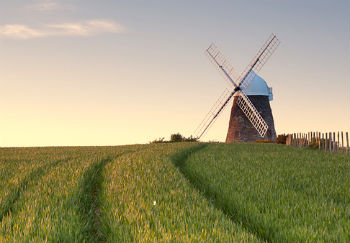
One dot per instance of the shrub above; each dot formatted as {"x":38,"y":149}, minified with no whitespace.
{"x":281,"y":139}
{"x":176,"y":137}
{"x":190,"y":139}
{"x":313,"y":144}
{"x":159,"y":140}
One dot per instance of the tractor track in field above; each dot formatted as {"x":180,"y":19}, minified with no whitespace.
{"x":88,"y":198}
{"x":179,"y":159}
{"x":13,"y":196}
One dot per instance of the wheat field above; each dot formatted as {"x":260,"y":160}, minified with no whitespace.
{"x":174,"y":192}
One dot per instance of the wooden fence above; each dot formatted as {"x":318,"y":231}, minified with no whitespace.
{"x":331,"y":141}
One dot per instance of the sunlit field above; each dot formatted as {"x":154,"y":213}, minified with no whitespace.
{"x":279,"y":193}
{"x":174,"y":192}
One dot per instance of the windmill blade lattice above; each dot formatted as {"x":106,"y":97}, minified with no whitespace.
{"x":218,"y":106}
{"x":258,"y":61}
{"x":221,"y":63}
{"x":252,"y":114}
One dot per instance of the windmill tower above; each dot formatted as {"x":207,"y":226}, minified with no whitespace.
{"x":251,"y":116}
{"x":240,"y":129}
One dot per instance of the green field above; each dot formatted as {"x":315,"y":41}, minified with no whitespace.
{"x":174,"y":192}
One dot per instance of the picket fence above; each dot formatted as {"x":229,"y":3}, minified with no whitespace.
{"x":330,"y":141}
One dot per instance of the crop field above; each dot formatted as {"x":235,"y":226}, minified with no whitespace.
{"x":174,"y":192}
{"x":279,"y":193}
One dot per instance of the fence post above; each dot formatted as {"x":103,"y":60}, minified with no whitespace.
{"x":319,"y":135}
{"x":310,"y":138}
{"x":297,"y":139}
{"x":334,"y":142}
{"x":338,"y":144}
{"x":298,"y":136}
{"x":306,"y":141}
{"x":302,"y":140}
{"x":319,"y":140}
{"x":347,"y":143}
{"x":290,"y":139}
{"x":327,"y":134}
{"x":294,"y":139}
{"x":342,"y":140}
{"x":323,"y":141}
{"x":330,"y":142}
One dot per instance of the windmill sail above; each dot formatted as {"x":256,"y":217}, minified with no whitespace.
{"x":221,"y":63}
{"x":252,"y":114}
{"x":218,"y":106}
{"x":258,"y":61}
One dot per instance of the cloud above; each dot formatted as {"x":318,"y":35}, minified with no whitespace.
{"x":45,"y":6}
{"x":86,"y":28}
{"x":82,"y":28}
{"x":18,"y":31}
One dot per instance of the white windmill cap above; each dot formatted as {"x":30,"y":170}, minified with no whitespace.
{"x":258,"y":86}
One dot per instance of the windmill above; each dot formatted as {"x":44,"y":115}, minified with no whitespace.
{"x":251,"y":117}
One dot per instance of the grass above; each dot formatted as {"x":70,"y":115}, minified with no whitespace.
{"x":19,"y":168}
{"x":50,"y":207}
{"x":279,"y":193}
{"x":146,"y":199}
{"x":12,"y":195}
{"x":174,"y":192}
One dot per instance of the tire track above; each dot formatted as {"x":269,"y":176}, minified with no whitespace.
{"x":13,"y":196}
{"x":203,"y":185}
{"x":87,"y":199}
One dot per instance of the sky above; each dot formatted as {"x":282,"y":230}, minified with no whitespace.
{"x":87,"y":72}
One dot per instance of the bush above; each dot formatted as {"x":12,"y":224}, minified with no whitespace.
{"x":159,"y":140}
{"x":313,"y":144}
{"x":281,"y":139}
{"x":190,"y":139}
{"x":176,"y":137}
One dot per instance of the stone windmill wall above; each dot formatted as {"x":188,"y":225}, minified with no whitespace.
{"x":241,"y":129}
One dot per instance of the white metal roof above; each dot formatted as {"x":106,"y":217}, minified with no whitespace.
{"x":258,"y":86}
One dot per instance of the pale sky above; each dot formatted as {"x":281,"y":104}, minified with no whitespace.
{"x":84,"y":72}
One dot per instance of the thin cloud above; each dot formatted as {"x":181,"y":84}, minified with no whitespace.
{"x":45,"y":6}
{"x":82,"y":28}
{"x":86,"y":28}
{"x":18,"y":31}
